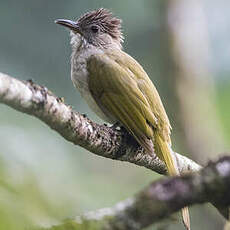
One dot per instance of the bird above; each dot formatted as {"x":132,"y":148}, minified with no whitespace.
{"x":116,"y":87}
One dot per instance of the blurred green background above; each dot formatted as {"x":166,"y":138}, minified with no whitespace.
{"x":184,"y":49}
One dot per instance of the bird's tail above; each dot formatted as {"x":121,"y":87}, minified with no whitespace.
{"x":165,"y":153}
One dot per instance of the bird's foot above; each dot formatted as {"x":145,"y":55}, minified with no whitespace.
{"x":115,"y":126}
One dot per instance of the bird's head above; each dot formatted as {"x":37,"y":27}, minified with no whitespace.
{"x":99,"y":28}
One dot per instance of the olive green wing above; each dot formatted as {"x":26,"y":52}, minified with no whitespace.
{"x":148,"y":90}
{"x":115,"y":89}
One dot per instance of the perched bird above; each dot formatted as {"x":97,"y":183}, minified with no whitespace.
{"x":116,"y":87}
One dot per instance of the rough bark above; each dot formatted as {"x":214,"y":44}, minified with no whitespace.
{"x":160,"y":200}
{"x":104,"y":141}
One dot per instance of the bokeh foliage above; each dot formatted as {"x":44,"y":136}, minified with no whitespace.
{"x":43,"y":178}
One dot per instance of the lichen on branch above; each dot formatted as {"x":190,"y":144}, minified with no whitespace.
{"x":160,"y":200}
{"x":38,"y":101}
{"x":154,"y":203}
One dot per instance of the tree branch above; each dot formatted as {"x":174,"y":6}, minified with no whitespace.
{"x":134,"y":213}
{"x":38,"y":101}
{"x":160,"y":200}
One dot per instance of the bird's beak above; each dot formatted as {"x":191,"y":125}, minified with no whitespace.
{"x":69,"y":24}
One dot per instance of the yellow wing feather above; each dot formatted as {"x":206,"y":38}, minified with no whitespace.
{"x":121,"y":87}
{"x":117,"y":92}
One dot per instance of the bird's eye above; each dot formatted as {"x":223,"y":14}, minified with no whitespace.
{"x":94,"y":29}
